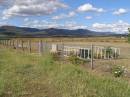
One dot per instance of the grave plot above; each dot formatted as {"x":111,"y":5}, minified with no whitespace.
{"x":99,"y":52}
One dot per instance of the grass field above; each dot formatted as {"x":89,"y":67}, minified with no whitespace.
{"x":85,"y":39}
{"x":26,"y":75}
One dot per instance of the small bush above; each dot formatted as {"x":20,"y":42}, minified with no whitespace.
{"x":55,"y":56}
{"x":117,"y":71}
{"x":75,"y":60}
{"x":109,"y":52}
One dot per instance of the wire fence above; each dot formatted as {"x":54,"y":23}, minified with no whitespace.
{"x":87,"y":51}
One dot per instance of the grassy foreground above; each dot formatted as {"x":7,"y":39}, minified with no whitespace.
{"x":23,"y":75}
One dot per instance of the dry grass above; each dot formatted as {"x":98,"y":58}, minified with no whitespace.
{"x":87,"y":39}
{"x":26,"y":75}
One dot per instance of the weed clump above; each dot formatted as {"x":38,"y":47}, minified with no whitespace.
{"x":76,"y":60}
{"x":118,"y":71}
{"x":56,"y":56}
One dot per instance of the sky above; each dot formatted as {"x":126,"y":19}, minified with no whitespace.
{"x":96,"y":15}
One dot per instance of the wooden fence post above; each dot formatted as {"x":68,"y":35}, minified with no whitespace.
{"x":62,"y":52}
{"x":5,"y":42}
{"x":105,"y":54}
{"x":22,"y":45}
{"x":17,"y":44}
{"x":29,"y":46}
{"x":92,"y":67}
{"x":13,"y":44}
{"x":40,"y":47}
{"x":89,"y":51}
{"x":2,"y":42}
{"x":10,"y":43}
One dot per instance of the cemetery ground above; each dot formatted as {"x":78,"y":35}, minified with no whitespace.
{"x":25,"y":74}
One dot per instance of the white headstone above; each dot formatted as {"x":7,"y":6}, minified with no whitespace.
{"x":54,"y":48}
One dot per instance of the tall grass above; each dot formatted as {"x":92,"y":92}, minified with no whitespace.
{"x":23,"y":75}
{"x":128,"y":38}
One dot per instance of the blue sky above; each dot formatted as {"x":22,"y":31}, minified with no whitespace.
{"x":97,"y":15}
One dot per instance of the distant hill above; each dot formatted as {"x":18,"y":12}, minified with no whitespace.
{"x":13,"y":31}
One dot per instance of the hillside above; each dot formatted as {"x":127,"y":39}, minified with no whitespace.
{"x":12,"y":31}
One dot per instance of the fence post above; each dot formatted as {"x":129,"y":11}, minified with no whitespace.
{"x":13,"y":43}
{"x":4,"y":42}
{"x":62,"y":50}
{"x":17,"y":44}
{"x":105,"y":54}
{"x":29,"y":44}
{"x":10,"y":42}
{"x":92,"y":67}
{"x":22,"y":45}
{"x":89,"y":53}
{"x":119,"y":51}
{"x":7,"y":42}
{"x":40,"y":47}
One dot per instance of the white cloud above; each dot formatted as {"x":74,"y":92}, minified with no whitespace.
{"x":88,"y":17}
{"x":74,"y":25}
{"x":45,"y":24}
{"x":62,"y":16}
{"x":2,"y":23}
{"x":120,"y":11}
{"x":89,"y":7}
{"x":26,"y":19}
{"x":33,"y":7}
{"x":71,"y":14}
{"x":118,"y":27}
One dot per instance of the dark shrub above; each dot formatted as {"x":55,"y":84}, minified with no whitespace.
{"x":117,"y":71}
{"x":76,"y":60}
